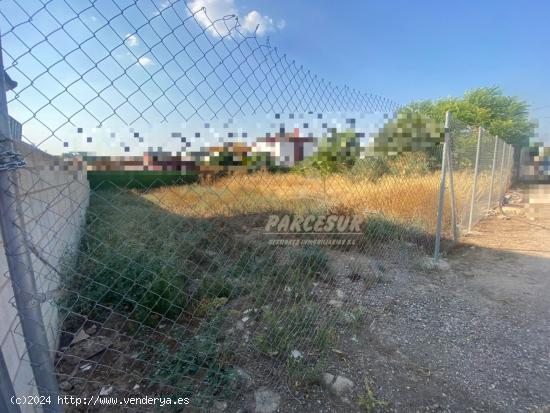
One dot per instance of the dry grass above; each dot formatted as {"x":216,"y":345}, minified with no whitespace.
{"x":411,"y":199}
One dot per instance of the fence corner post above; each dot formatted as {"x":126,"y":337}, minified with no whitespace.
{"x":20,"y":266}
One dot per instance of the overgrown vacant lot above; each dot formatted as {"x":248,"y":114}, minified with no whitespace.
{"x":411,"y":200}
{"x":182,"y":283}
{"x":180,"y":293}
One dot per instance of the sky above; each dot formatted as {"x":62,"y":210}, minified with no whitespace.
{"x":424,"y":49}
{"x":402,"y":50}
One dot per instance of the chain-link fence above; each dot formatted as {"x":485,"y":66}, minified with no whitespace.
{"x":484,"y":165}
{"x":202,"y":263}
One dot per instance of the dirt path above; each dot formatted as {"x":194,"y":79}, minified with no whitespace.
{"x":473,"y":338}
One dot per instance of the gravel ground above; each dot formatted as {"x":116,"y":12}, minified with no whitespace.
{"x":473,"y":338}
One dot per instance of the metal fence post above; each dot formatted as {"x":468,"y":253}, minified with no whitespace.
{"x":511,"y":165}
{"x":20,"y":265}
{"x":501,"y":189}
{"x":493,"y":168}
{"x":441,"y":202}
{"x":474,"y":186}
{"x":451,"y":178}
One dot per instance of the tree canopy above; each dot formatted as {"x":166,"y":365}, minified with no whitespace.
{"x":504,"y":116}
{"x":336,"y":152}
{"x":410,"y":131}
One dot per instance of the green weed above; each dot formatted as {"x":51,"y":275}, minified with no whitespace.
{"x":368,"y":402}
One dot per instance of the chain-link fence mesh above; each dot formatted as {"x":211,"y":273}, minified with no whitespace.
{"x":231,"y":261}
{"x":482,"y":167}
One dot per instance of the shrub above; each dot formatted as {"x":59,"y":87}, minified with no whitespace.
{"x":372,"y":168}
{"x":300,"y":326}
{"x":409,"y":164}
{"x":197,"y":366}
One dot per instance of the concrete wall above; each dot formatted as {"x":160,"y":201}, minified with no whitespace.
{"x":54,"y":200}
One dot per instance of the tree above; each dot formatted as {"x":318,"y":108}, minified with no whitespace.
{"x":334,"y":153}
{"x":410,"y":131}
{"x":503,"y":116}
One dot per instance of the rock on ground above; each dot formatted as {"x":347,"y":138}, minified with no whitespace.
{"x":338,"y":385}
{"x":267,"y":401}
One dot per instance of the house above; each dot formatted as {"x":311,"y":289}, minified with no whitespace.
{"x":286,"y":148}
{"x":166,"y":161}
{"x":114,"y":163}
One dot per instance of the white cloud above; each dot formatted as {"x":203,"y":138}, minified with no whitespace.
{"x":131,"y":40}
{"x":255,"y":20}
{"x":218,"y":9}
{"x":145,"y":61}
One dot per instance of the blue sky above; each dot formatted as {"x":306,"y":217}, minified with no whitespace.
{"x":404,"y":50}
{"x":423,"y":49}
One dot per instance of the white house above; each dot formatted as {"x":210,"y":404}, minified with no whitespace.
{"x":288,"y":149}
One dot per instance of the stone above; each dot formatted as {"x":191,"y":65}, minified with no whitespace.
{"x":79,"y":337}
{"x":335,"y":303}
{"x":296,"y":354}
{"x":267,"y":401}
{"x":328,"y":378}
{"x":442,"y":265}
{"x":87,"y":348}
{"x":65,"y":385}
{"x":338,"y":385}
{"x":106,"y":390}
{"x":430,"y":263}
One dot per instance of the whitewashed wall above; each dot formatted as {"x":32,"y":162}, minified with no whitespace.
{"x":55,"y":198}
